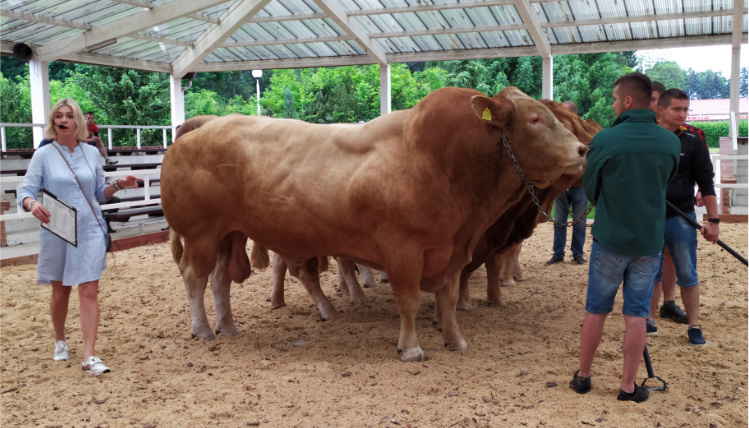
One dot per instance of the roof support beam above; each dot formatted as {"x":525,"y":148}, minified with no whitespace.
{"x":339,"y":16}
{"x":737,"y":28}
{"x":44,"y":19}
{"x":137,"y":22}
{"x":235,"y":17}
{"x":533,"y":26}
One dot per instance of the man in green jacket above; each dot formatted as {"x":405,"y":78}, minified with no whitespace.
{"x":629,"y":167}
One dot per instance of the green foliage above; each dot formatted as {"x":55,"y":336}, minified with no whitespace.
{"x":669,"y":73}
{"x":16,"y":108}
{"x":744,"y":82}
{"x":588,"y":81}
{"x":706,"y":85}
{"x":126,"y":97}
{"x":715,"y":130}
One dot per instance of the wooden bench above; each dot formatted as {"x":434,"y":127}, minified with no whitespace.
{"x":132,"y":166}
{"x":123,"y":151}
{"x":123,"y":215}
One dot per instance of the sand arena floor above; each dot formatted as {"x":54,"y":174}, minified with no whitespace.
{"x":288,"y":368}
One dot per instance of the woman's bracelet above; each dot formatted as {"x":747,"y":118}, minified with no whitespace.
{"x":116,"y":185}
{"x":31,"y":205}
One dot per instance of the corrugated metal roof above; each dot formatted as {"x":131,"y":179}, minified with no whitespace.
{"x":177,"y":36}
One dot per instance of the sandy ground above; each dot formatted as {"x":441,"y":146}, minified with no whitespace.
{"x":288,"y":368}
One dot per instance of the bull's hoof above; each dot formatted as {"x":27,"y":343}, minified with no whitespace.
{"x":457,"y":345}
{"x":228,"y":331}
{"x":498,"y":303}
{"x":463,"y":306}
{"x":359,"y":300}
{"x":205,"y":336}
{"x":277,"y":305}
{"x":328,"y":315}
{"x":412,"y":355}
{"x":509,"y":282}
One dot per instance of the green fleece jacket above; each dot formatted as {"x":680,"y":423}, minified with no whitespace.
{"x":629,"y":167}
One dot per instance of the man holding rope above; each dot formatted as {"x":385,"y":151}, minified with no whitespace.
{"x":695,"y":167}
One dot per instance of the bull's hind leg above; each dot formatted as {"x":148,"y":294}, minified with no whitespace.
{"x":493,"y":269}
{"x":407,"y":295}
{"x":195,"y":283}
{"x":517,"y":271}
{"x":367,"y":277}
{"x":221,"y":285}
{"x":464,"y":296}
{"x":447,"y":299}
{"x":310,"y":278}
{"x":350,"y":286}
{"x":276,"y":298}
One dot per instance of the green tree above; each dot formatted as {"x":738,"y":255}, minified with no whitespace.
{"x":669,"y":73}
{"x":744,"y":83}
{"x":16,"y":108}
{"x":127,"y":97}
{"x":289,"y":111}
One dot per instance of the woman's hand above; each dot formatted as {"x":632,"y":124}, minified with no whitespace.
{"x":128,"y":182}
{"x":41,"y":213}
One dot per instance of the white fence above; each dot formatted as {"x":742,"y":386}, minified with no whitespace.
{"x":109,"y":129}
{"x":146,"y":174}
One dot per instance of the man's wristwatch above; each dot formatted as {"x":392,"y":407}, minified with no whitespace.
{"x":714,"y":220}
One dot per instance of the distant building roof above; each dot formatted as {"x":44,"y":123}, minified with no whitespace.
{"x":707,"y":110}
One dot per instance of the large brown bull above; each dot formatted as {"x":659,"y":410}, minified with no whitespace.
{"x":410,"y":193}
{"x":499,"y":247}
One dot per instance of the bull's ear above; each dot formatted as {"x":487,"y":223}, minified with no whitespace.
{"x":496,"y":110}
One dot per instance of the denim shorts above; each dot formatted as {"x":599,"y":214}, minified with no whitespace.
{"x":608,"y":269}
{"x":681,"y":240}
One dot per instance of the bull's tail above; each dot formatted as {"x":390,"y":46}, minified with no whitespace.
{"x":259,"y":258}
{"x":175,"y":242}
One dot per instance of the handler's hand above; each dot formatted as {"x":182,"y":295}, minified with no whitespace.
{"x":710,"y":231}
{"x":129,"y":181}
{"x":40,"y":212}
{"x":698,"y":199}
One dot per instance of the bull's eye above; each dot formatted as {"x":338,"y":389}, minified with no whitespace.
{"x":536,"y":119}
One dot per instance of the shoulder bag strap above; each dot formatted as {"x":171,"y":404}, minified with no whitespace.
{"x":81,"y":187}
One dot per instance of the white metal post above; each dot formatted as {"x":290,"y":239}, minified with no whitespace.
{"x":177,"y":99}
{"x":39,"y":82}
{"x":385,"y":90}
{"x":257,"y":74}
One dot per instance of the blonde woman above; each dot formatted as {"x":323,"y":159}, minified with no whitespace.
{"x":72,"y":172}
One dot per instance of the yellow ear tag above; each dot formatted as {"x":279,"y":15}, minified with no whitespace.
{"x":487,"y":115}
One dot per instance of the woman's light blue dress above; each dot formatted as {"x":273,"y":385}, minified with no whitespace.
{"x":59,"y":260}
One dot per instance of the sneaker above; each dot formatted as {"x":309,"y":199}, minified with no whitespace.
{"x":641,"y":394}
{"x":651,"y":328}
{"x":695,"y":335}
{"x":580,"y":384}
{"x":61,"y":351}
{"x":111,"y":162}
{"x":579,"y":260}
{"x":94,"y":366}
{"x":672,"y":311}
{"x":554,"y":261}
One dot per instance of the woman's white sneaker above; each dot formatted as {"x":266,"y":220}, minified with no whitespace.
{"x":94,"y":366}
{"x":61,"y":351}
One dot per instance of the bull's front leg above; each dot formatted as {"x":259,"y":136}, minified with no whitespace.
{"x":195,"y":287}
{"x":311,"y":281}
{"x":407,"y":296}
{"x":517,"y":271}
{"x":447,"y":299}
{"x":221,"y":285}
{"x":276,"y":298}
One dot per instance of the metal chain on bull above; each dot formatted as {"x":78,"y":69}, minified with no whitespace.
{"x":529,"y":186}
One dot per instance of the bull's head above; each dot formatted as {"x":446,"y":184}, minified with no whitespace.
{"x":544,"y":148}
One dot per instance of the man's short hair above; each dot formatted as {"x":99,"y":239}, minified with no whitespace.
{"x":89,"y":113}
{"x":638,"y":86}
{"x":672,"y":94}
{"x":570,"y":105}
{"x":658,"y":87}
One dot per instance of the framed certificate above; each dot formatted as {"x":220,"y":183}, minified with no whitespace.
{"x":63,"y":220}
